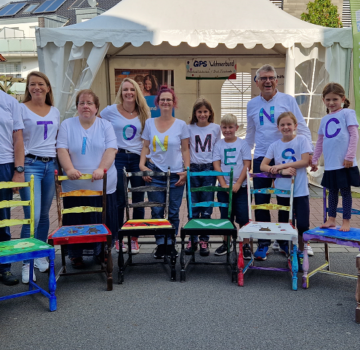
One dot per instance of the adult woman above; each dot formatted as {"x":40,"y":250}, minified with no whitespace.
{"x":87,"y":144}
{"x":11,"y":166}
{"x":150,"y":85}
{"x":140,"y":80}
{"x":128,"y":116}
{"x":166,"y":144}
{"x":41,"y":121}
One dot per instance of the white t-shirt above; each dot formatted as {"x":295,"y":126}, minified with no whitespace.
{"x":288,"y":152}
{"x":202,"y":141}
{"x":10,"y":120}
{"x":165,"y":148}
{"x":127,"y":131}
{"x":40,"y":132}
{"x":336,"y":137}
{"x":232,"y":155}
{"x":86,"y":149}
{"x":262,"y":118}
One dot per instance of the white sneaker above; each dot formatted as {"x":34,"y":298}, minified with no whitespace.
{"x":25,"y":274}
{"x":42,"y":264}
{"x":124,"y":247}
{"x":276,"y":245}
{"x":134,"y":245}
{"x":309,"y":250}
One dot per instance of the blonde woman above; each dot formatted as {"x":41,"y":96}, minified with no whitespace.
{"x":128,"y":116}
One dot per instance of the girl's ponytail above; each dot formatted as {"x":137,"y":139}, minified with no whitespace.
{"x":346,"y":103}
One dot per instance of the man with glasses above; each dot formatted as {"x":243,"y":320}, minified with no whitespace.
{"x":262,"y":114}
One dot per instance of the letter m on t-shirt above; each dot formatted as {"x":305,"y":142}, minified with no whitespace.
{"x":203,"y":146}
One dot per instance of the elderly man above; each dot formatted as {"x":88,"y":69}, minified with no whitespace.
{"x":11,"y":165}
{"x":262,"y":114}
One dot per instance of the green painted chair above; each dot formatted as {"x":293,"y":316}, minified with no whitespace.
{"x":209,"y":227}
{"x":27,"y":248}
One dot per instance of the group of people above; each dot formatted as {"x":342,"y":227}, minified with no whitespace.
{"x":124,"y":136}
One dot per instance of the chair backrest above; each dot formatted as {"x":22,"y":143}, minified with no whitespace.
{"x":79,"y":193}
{"x":127,"y":190}
{"x":212,"y":204}
{"x":270,"y":190}
{"x":19,"y":203}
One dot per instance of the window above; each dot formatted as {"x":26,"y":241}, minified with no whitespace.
{"x":77,"y":4}
{"x":31,"y":8}
{"x":346,"y":14}
{"x":278,"y":3}
{"x":11,"y":69}
{"x":235,"y":94}
{"x":12,"y":9}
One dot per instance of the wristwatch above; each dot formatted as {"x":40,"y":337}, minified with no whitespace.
{"x":19,"y":169}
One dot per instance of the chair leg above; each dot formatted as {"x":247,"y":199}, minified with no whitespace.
{"x":52,"y":284}
{"x":295,"y":267}
{"x":109,"y":267}
{"x":63,"y":262}
{"x":357,"y":295}
{"x":305,"y":278}
{"x":327,"y":255}
{"x":121,"y":266}
{"x":241,"y":265}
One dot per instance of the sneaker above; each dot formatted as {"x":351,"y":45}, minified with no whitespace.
{"x":222,"y":249}
{"x":261,"y":252}
{"x":25,"y":274}
{"x":117,"y":246}
{"x":204,"y":248}
{"x":309,"y":250}
{"x":276,"y":245}
{"x":160,"y":251}
{"x":300,"y":257}
{"x":189,"y":250}
{"x":247,"y":251}
{"x":8,"y":279}
{"x":134,"y":245}
{"x":42,"y":264}
{"x":284,"y":249}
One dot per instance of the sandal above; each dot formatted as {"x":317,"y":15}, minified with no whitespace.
{"x":77,"y":263}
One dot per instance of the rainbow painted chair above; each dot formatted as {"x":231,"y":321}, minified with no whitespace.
{"x":332,"y":236}
{"x":147,"y":227}
{"x":200,"y":226}
{"x":269,"y":230}
{"x":92,"y":233}
{"x":27,"y":248}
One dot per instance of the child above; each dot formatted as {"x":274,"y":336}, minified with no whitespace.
{"x":232,"y":152}
{"x":291,"y":156}
{"x":203,"y":135}
{"x":338,"y":138}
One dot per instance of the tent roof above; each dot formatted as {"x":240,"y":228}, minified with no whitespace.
{"x":229,"y":22}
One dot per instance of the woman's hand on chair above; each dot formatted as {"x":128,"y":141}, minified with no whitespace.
{"x":73,"y":174}
{"x":182,"y":178}
{"x":97,"y":174}
{"x":145,"y":178}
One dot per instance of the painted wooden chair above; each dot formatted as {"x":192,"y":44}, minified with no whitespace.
{"x":92,"y":233}
{"x":27,"y":248}
{"x":269,"y":230}
{"x":334,"y":236}
{"x":200,"y":226}
{"x":146,"y":227}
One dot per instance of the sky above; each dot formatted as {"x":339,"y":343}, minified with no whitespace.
{"x":3,"y":2}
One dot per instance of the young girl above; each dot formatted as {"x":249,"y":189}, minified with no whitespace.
{"x":338,"y":137}
{"x":203,"y":135}
{"x":291,"y":156}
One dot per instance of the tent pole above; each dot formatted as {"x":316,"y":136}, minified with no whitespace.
{"x":290,"y":71}
{"x":107,"y":77}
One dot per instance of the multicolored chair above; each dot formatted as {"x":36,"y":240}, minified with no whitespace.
{"x":200,"y":226}
{"x":334,"y":236}
{"x":27,"y":248}
{"x":92,"y":233}
{"x":146,"y":227}
{"x":269,"y":230}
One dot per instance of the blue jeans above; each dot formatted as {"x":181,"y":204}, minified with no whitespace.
{"x":196,"y":197}
{"x":175,"y":199}
{"x":6,"y":174}
{"x":262,"y":215}
{"x":239,"y":211}
{"x":130,"y":161}
{"x":44,"y":191}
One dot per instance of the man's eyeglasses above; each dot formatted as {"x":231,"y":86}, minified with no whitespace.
{"x":266,"y":78}
{"x":86,"y":103}
{"x":165,"y":100}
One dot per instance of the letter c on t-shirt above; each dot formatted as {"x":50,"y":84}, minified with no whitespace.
{"x":337,"y":130}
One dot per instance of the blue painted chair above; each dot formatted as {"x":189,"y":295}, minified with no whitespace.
{"x":269,"y":230}
{"x":200,"y":226}
{"x":27,"y":248}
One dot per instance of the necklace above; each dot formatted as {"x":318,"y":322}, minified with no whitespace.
{"x":128,"y":111}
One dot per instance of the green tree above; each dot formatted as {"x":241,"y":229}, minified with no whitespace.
{"x":323,"y":13}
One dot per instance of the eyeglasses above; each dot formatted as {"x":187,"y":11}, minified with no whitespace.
{"x":165,"y":100}
{"x":266,"y":78}
{"x":86,"y":103}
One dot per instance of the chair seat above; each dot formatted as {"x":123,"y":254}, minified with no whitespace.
{"x":209,"y":224}
{"x":146,"y":224}
{"x":80,"y":233}
{"x":269,"y":230}
{"x":20,"y":246}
